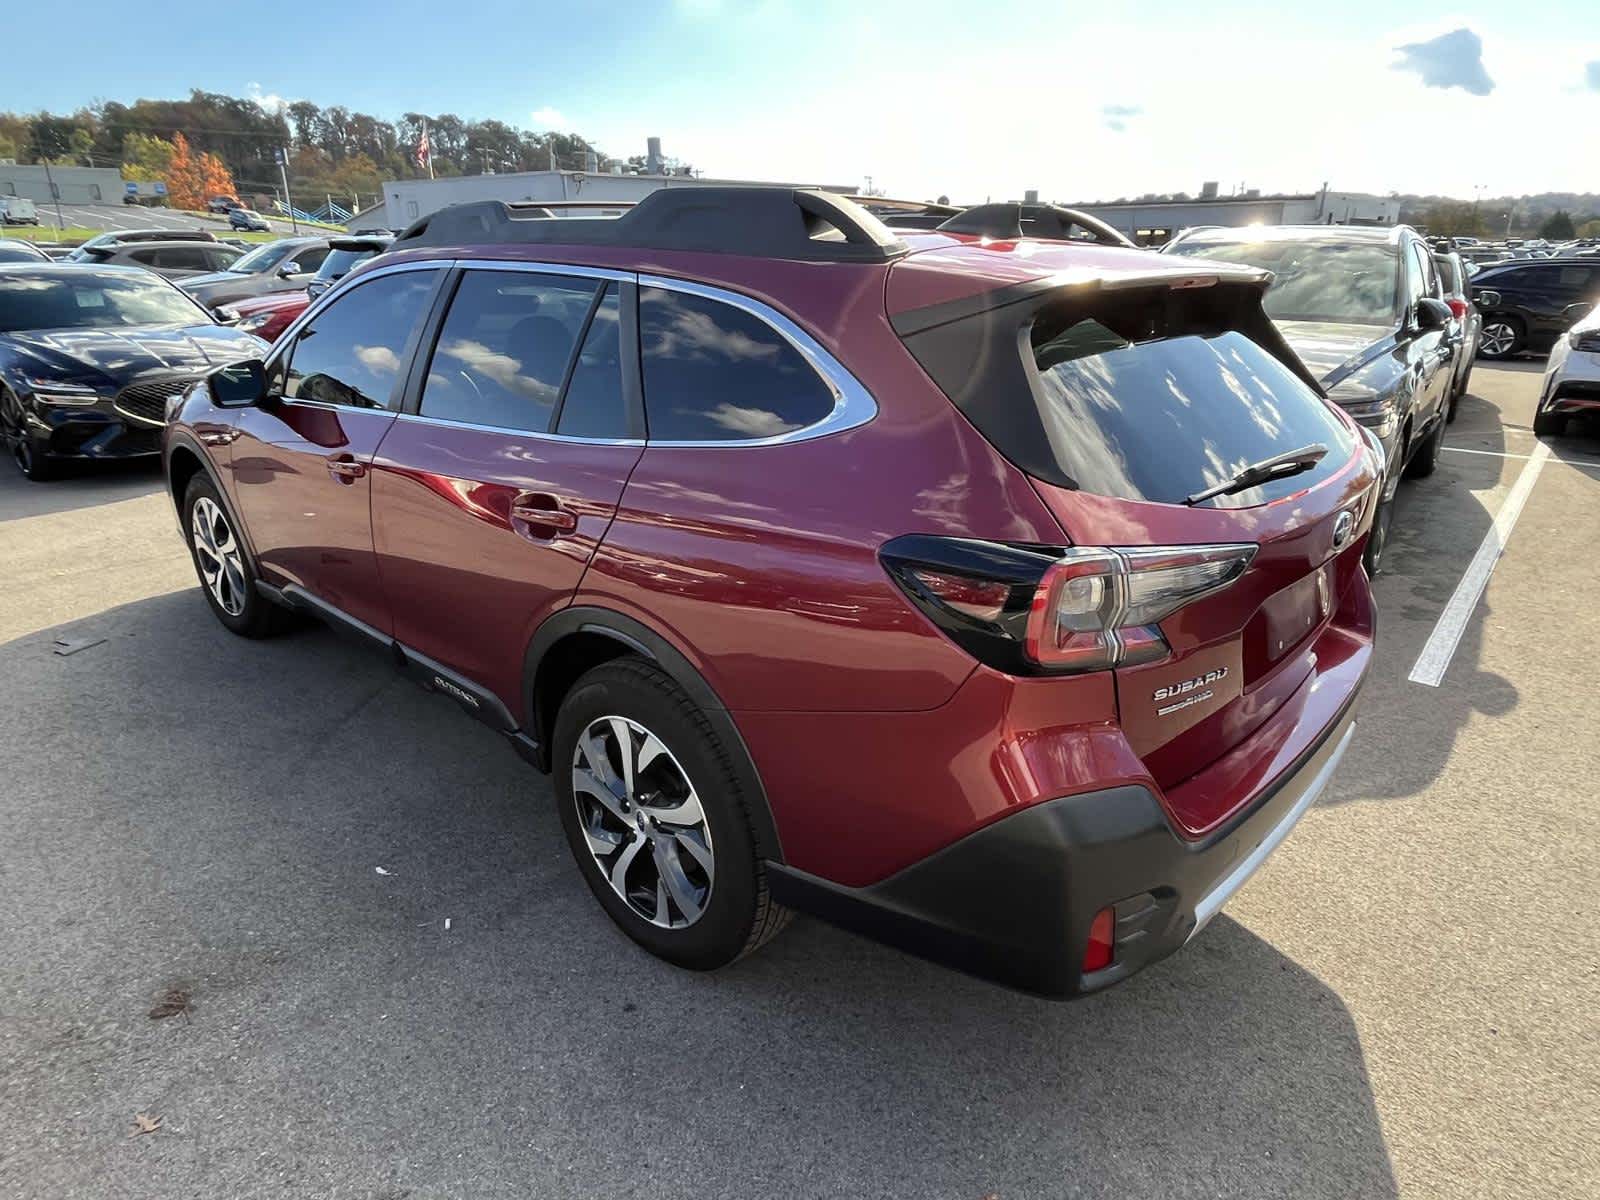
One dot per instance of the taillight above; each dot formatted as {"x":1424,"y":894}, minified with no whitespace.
{"x":1457,"y":305}
{"x":1033,"y":610}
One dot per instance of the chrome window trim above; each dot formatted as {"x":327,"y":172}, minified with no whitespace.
{"x":423,"y":419}
{"x":853,"y":405}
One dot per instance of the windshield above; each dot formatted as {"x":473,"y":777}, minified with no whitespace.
{"x":262,"y":258}
{"x":89,"y":300}
{"x":1316,"y":279}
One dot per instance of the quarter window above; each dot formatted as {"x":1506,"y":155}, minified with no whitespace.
{"x":354,"y":353}
{"x":713,"y":372}
{"x":504,"y":349}
{"x":593,"y":406}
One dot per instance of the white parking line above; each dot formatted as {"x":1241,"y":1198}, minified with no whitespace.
{"x":1435,"y":658}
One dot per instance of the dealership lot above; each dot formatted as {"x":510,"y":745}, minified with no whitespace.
{"x":1401,"y":1004}
{"x":113,"y":217}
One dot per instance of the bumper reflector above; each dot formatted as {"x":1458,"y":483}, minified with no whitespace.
{"x":1098,"y":953}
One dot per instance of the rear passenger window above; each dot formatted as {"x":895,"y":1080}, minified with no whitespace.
{"x":593,"y":406}
{"x":713,"y":372}
{"x":504,"y":347}
{"x":354,"y":352}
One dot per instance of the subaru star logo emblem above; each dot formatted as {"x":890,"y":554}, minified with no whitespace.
{"x":1342,"y":528}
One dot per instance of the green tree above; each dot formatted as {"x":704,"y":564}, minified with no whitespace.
{"x":146,"y":157}
{"x":1451,"y":219}
{"x":1590,"y":228}
{"x":1558,"y":227}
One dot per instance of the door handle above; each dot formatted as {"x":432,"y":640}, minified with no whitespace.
{"x":543,"y":513}
{"x":345,"y":469}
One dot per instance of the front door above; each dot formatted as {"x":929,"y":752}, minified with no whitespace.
{"x":302,"y":461}
{"x":489,"y":500}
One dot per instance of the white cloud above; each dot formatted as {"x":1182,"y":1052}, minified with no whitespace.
{"x":270,"y":101}
{"x":548,"y":118}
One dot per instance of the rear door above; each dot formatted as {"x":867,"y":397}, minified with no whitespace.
{"x":301,"y":463}
{"x":496,"y":485}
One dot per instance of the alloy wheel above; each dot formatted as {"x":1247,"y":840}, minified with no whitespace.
{"x":1497,"y":339}
{"x":217,"y":551}
{"x":643,"y":822}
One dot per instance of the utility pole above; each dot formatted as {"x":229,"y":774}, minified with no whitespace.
{"x":283,"y":174}
{"x":61,"y":222}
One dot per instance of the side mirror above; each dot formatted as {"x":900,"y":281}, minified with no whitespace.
{"x":1432,"y":314}
{"x":1573,"y":313}
{"x":239,"y":385}
{"x":289,"y":268}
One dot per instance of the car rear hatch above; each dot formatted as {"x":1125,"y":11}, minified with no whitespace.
{"x":1137,"y":397}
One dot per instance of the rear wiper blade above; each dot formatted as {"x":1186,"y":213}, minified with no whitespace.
{"x":1279,"y":466}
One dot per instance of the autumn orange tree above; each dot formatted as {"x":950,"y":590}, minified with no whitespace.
{"x":192,"y":178}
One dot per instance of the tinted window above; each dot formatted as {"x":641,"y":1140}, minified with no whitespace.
{"x":1314,"y":279}
{"x":354,"y":352}
{"x":1578,"y":278}
{"x":1524,"y":277}
{"x":593,"y":405}
{"x":503,"y":350}
{"x":713,"y":372}
{"x":182,"y":258}
{"x":1161,"y":420}
{"x":144,"y":258}
{"x":338,"y":263}
{"x":308,"y":258}
{"x":1448,"y":275}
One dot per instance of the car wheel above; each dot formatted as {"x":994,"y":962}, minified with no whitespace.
{"x":1501,"y":338}
{"x":654,"y":816}
{"x":1550,"y":424}
{"x":223,"y":566}
{"x":1426,"y":457}
{"x":24,"y":452}
{"x":1378,"y":538}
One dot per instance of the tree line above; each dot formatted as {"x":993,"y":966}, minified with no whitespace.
{"x":331,"y":151}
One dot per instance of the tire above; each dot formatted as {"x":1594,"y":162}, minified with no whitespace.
{"x":1501,"y":337}
{"x":1550,"y":424}
{"x":1426,"y":458}
{"x":717,"y":908}
{"x":1378,"y":538}
{"x":1459,"y":392}
{"x":230,"y":588}
{"x":25,"y":453}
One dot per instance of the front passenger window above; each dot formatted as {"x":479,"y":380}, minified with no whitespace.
{"x":354,"y":353}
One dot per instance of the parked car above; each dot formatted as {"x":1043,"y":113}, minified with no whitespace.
{"x":672,"y":512}
{"x":89,"y":357}
{"x":171,"y":260}
{"x":1572,"y":376}
{"x":89,"y":250}
{"x":1466,"y":327}
{"x":249,"y":219}
{"x":18,"y":210}
{"x":1528,"y":306}
{"x":268,"y":316}
{"x":1365,"y":309}
{"x":223,"y":204}
{"x":13,"y":250}
{"x":285,"y":265}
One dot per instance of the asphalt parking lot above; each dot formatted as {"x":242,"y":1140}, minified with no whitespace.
{"x":125,"y":216}
{"x":1402,"y":1003}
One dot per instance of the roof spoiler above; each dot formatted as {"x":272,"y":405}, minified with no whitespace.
{"x":1049,"y":221}
{"x":767,"y":222}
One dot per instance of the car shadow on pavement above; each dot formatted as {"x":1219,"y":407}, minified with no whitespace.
{"x":80,"y":486}
{"x":394,"y":978}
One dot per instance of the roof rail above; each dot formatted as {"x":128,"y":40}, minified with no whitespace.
{"x":1049,"y":221}
{"x":769,"y":222}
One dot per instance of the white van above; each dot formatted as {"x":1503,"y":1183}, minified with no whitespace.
{"x":17,"y":210}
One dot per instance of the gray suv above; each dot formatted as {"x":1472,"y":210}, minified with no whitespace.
{"x":285,"y":265}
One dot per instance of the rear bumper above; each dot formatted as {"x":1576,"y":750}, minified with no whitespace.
{"x":1013,"y":901}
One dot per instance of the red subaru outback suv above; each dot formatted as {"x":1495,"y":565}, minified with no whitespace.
{"x":999,"y":599}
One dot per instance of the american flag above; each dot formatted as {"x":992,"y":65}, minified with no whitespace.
{"x":424,"y":148}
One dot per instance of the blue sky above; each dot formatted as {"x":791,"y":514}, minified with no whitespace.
{"x":1082,"y":101}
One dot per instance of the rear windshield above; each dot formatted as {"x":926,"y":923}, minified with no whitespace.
{"x":1153,"y":395}
{"x":1165,"y":419}
{"x":338,"y":263}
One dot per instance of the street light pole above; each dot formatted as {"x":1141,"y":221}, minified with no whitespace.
{"x":288,"y":200}
{"x":61,"y":222}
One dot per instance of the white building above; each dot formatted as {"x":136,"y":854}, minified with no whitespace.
{"x":73,"y":185}
{"x":404,"y":200}
{"x":1154,"y":222}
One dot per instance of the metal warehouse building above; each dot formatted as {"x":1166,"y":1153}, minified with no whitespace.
{"x":1154,"y":222}
{"x":76,"y":185}
{"x":404,"y":200}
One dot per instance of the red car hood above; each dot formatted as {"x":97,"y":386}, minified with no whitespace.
{"x":271,"y":303}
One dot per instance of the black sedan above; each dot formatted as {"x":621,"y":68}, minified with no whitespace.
{"x":12,"y":251}
{"x":1526,"y":306}
{"x":89,"y":357}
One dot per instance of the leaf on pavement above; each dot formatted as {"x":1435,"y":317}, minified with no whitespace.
{"x":144,"y":1123}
